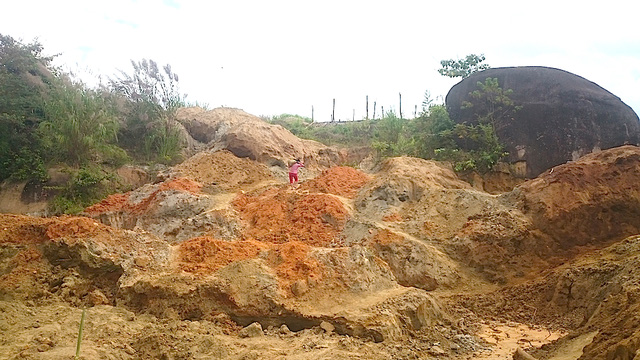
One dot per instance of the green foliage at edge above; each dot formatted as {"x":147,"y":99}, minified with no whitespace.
{"x":87,"y":186}
{"x":49,"y":119}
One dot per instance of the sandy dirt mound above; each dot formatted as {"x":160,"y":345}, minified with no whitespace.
{"x":74,"y":258}
{"x":338,"y":180}
{"x":50,"y":331}
{"x":428,"y":205}
{"x":401,"y":180}
{"x":594,"y":199}
{"x":222,"y":170}
{"x":415,"y":263}
{"x":420,"y":173}
{"x":246,"y":135}
{"x":280,"y":215}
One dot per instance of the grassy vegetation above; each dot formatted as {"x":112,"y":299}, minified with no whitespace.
{"x":49,"y":119}
{"x":470,"y":146}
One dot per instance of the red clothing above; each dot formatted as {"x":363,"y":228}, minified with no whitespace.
{"x":293,"y":172}
{"x":294,"y":168}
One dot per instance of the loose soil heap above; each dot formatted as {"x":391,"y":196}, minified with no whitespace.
{"x":338,"y":180}
{"x":222,"y":170}
{"x":280,"y":216}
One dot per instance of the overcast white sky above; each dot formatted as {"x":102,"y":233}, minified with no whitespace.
{"x":270,"y":57}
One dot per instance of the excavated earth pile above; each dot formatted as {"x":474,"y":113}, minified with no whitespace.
{"x":220,"y":258}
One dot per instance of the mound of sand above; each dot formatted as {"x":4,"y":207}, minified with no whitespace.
{"x":222,"y":170}
{"x":338,"y":180}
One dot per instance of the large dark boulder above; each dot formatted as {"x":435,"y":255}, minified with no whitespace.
{"x":563,"y":116}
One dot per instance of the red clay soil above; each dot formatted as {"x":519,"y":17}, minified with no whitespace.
{"x":339,"y":180}
{"x":20,"y":229}
{"x":27,"y":230}
{"x":76,"y":227}
{"x":279,"y":216}
{"x":115,"y":202}
{"x":206,"y":255}
{"x":290,"y":261}
{"x":121,"y":202}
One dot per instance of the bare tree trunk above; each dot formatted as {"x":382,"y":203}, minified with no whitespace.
{"x":400,"y":106}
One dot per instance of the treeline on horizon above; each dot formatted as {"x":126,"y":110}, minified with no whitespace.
{"x":48,"y":118}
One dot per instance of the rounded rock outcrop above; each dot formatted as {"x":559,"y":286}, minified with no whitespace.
{"x":562,"y":116}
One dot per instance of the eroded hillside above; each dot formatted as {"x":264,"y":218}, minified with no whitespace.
{"x":220,"y":258}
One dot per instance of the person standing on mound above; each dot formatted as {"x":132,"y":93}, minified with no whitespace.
{"x":293,"y":173}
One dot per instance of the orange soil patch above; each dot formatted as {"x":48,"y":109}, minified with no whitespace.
{"x":182,"y":184}
{"x":26,"y":230}
{"x":121,"y":202}
{"x":74,"y":227}
{"x":291,"y":262}
{"x":206,"y":254}
{"x":395,"y":217}
{"x":278,"y":216}
{"x":339,"y":180}
{"x":385,"y":237}
{"x":27,"y":269}
{"x":115,"y":202}
{"x":21,"y":229}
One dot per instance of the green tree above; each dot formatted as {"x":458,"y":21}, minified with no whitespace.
{"x":463,"y":67}
{"x":490,"y":102}
{"x":477,"y":146}
{"x":472,"y":145}
{"x":25,"y":75}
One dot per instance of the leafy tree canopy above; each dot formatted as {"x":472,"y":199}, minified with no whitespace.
{"x":463,"y":67}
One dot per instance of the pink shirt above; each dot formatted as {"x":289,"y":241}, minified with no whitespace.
{"x":294,"y":168}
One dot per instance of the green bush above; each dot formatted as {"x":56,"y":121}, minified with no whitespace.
{"x":26,"y":165}
{"x":87,"y":186}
